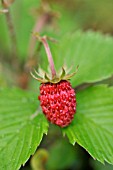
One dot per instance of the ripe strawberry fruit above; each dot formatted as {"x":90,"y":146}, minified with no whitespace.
{"x":58,"y":102}
{"x":57,"y":97}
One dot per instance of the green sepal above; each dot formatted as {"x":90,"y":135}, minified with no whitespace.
{"x":46,"y":78}
{"x":63,"y":73}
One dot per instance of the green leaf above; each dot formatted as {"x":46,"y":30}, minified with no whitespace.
{"x":93,"y":53}
{"x":21,"y":131}
{"x":92,"y":127}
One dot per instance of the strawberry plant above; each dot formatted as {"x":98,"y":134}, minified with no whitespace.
{"x":50,"y":123}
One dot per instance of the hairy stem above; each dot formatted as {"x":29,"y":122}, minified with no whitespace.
{"x":49,"y":55}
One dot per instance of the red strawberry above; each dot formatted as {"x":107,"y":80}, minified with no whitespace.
{"x":57,"y":97}
{"x":58,"y":102}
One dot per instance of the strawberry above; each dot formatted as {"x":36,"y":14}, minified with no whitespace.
{"x":58,"y":102}
{"x":57,"y":97}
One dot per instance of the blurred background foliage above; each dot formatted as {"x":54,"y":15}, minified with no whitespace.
{"x":19,"y":53}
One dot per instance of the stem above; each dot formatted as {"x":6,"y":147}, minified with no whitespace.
{"x":12,"y":38}
{"x":49,"y":55}
{"x":40,"y":24}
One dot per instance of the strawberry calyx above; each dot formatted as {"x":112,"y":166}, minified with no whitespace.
{"x":52,"y":77}
{"x":44,"y":77}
